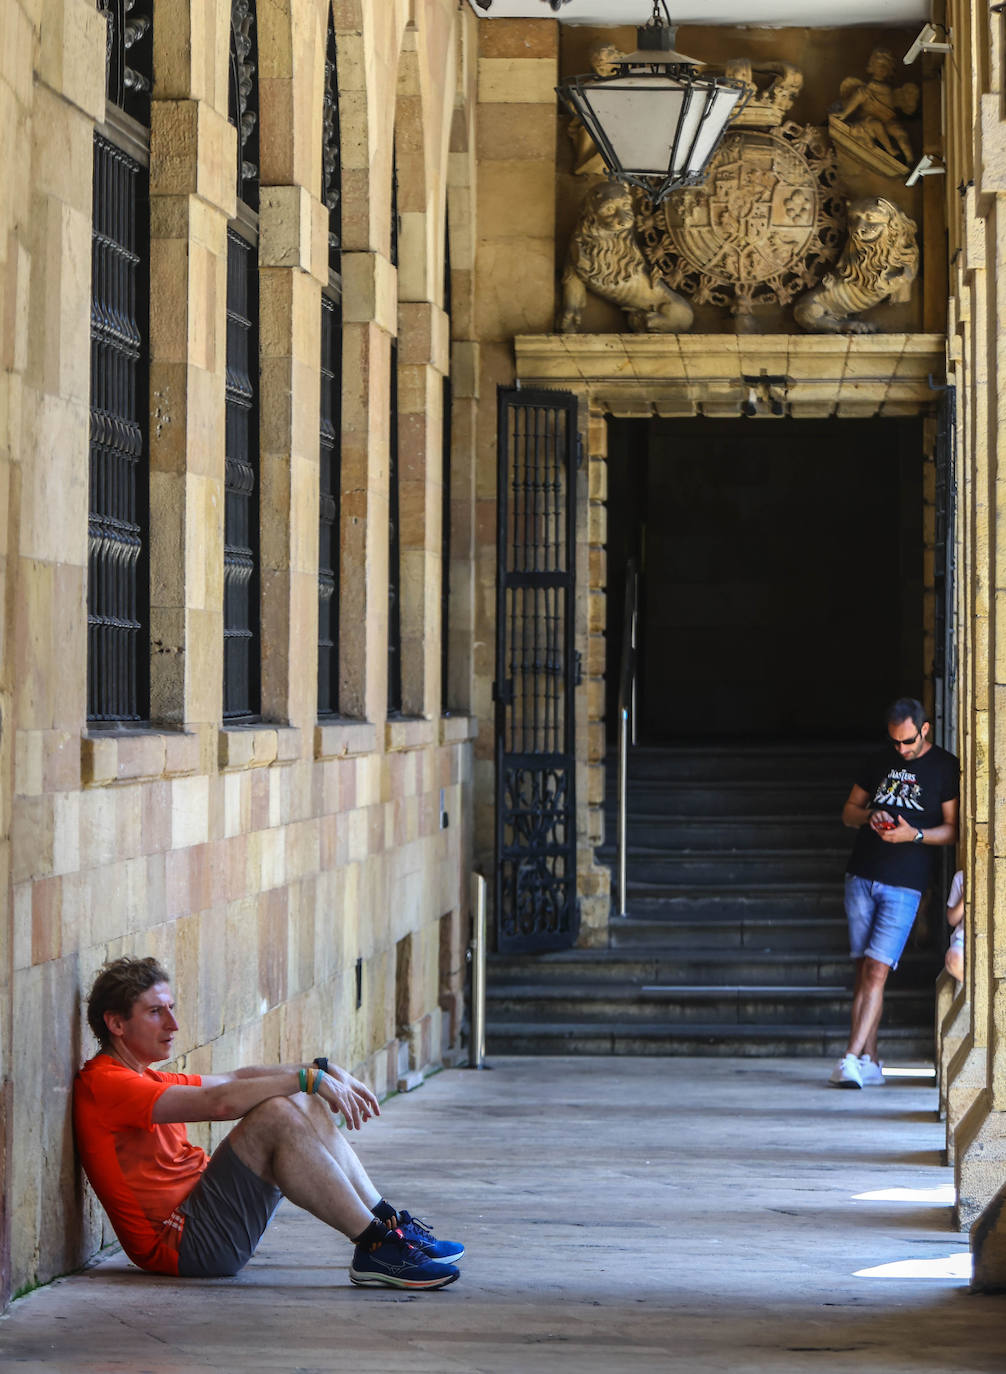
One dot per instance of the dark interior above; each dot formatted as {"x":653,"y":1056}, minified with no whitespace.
{"x":782,"y":573}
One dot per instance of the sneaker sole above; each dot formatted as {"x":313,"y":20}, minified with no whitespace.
{"x":845,"y":1083}
{"x":364,"y":1280}
{"x":447,"y":1259}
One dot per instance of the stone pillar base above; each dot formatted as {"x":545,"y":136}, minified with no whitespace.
{"x":988,"y":1245}
{"x":952,"y":1030}
{"x":965,"y":1081}
{"x":981,"y":1161}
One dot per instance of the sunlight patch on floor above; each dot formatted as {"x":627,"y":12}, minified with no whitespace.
{"x":943,"y":1195}
{"x":955,"y":1266}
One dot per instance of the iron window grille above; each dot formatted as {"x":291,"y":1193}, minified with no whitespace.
{"x":330,"y":458}
{"x":394,"y":531}
{"x":445,"y":508}
{"x":242,"y":618}
{"x":118,"y":597}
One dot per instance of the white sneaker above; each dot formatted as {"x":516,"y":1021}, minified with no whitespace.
{"x":847,"y":1073}
{"x":872,"y":1074}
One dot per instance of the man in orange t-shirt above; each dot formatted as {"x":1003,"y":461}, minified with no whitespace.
{"x":176,"y":1209}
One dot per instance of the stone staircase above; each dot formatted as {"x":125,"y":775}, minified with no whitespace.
{"x":735,"y":938}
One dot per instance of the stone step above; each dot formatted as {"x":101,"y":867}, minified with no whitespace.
{"x":698,"y":965}
{"x":743,"y":1005}
{"x":733,"y":869}
{"x":825,"y":765}
{"x":754,"y":797}
{"x":700,"y":1039}
{"x":682,"y":832}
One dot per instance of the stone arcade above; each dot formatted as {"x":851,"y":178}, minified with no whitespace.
{"x":272,"y":762}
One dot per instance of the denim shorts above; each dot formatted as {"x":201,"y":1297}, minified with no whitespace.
{"x":225,"y":1217}
{"x":880,"y":918}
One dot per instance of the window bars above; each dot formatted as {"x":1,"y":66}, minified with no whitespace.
{"x":330,"y":458}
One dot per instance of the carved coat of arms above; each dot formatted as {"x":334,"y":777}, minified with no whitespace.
{"x":762,"y":227}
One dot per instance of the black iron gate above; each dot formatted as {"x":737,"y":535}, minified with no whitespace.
{"x":536,"y":903}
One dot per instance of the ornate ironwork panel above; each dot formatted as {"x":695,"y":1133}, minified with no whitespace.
{"x":117,"y":601}
{"x":536,"y":902}
{"x":128,"y":55}
{"x":331,"y":153}
{"x":446,"y":459}
{"x":241,"y":536}
{"x":243,"y":98}
{"x":394,"y":533}
{"x":330,"y":485}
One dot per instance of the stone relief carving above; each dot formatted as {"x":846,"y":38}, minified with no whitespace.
{"x":605,"y":257}
{"x":880,"y":261}
{"x":760,"y":229}
{"x":865,"y":121}
{"x":587,"y":161}
{"x":766,"y":227}
{"x":769,"y":101}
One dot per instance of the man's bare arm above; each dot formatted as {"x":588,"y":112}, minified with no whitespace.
{"x":226,"y":1097}
{"x":856,"y":811}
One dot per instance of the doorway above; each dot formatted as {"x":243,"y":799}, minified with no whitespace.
{"x":781,"y":587}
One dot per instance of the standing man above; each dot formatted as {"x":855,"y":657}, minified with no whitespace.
{"x":904,"y":805}
{"x":177,"y":1210}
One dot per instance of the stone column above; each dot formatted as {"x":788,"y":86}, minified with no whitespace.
{"x":514,"y":294}
{"x":593,"y":880}
{"x":293,"y":263}
{"x":52,"y":93}
{"x":192,"y":198}
{"x":423,"y":361}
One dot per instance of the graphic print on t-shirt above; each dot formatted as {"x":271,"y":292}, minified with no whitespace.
{"x":899,"y":788}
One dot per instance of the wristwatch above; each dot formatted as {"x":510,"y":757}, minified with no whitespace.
{"x":918,"y":837}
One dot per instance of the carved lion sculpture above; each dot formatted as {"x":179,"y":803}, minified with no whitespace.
{"x":604,"y":256}
{"x":880,"y":260}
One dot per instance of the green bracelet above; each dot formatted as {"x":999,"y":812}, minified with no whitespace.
{"x":303,"y":1080}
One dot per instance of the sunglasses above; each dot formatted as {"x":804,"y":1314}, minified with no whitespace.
{"x":905,"y":743}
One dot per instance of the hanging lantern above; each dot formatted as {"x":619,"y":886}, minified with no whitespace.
{"x":655,"y":117}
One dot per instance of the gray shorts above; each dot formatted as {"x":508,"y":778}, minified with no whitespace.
{"x":225,"y":1217}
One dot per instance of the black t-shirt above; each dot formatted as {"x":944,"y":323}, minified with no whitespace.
{"x":915,"y":789}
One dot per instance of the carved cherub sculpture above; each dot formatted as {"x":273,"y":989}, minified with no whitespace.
{"x":605,"y":257}
{"x":871,"y":108}
{"x":879,"y":261}
{"x":587,"y":161}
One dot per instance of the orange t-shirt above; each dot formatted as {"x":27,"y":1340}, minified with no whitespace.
{"x":142,"y":1172}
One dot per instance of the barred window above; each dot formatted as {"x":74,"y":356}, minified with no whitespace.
{"x":118,"y":595}
{"x":394,"y":536}
{"x":330,"y":465}
{"x":242,"y":619}
{"x":445,"y":468}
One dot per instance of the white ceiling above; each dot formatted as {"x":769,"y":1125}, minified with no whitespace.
{"x":769,"y":13}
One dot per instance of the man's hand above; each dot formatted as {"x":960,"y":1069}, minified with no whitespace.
{"x":902,"y":832}
{"x":348,"y":1095}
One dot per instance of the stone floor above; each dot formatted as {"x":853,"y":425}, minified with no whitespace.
{"x":620,"y":1215}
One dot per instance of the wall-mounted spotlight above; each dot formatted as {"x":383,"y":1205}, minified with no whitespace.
{"x":928,"y":165}
{"x":554,"y":5}
{"x":926,"y":42}
{"x":766,"y":396}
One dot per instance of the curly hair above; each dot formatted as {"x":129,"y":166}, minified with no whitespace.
{"x":117,"y":987}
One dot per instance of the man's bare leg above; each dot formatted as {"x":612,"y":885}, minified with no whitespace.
{"x":295,"y":1145}
{"x":867,"y":1006}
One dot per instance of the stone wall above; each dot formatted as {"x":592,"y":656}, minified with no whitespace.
{"x":975,"y":1026}
{"x":306,"y":882}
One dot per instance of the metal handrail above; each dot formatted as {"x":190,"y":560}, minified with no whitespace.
{"x":626,"y":714}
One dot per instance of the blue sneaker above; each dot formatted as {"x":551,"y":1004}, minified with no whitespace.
{"x":420,"y":1235}
{"x":395,"y":1263}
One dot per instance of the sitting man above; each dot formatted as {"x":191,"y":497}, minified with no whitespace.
{"x":177,"y":1210}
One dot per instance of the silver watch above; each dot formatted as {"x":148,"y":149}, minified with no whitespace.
{"x":918,"y":837}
